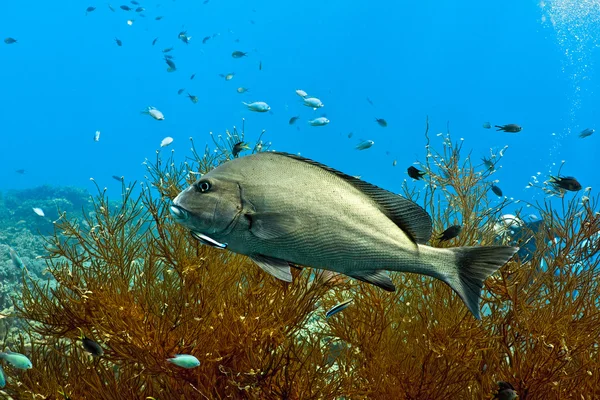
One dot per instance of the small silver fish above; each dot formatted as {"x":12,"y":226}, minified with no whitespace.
{"x":154,"y":113}
{"x":39,"y":211}
{"x":337,"y":308}
{"x":166,"y":141}
{"x":257,"y":106}
{"x":321,"y":121}
{"x":313,"y":102}
{"x":97,"y":136}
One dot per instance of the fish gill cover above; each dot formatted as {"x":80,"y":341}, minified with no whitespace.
{"x":106,"y":297}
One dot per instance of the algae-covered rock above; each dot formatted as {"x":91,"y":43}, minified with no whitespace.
{"x":16,"y":207}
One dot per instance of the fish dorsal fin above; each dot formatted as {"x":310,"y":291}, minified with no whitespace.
{"x":408,"y":216}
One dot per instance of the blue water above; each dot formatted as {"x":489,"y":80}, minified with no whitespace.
{"x":467,"y":63}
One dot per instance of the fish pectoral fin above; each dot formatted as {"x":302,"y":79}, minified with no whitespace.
{"x":269,"y":225}
{"x":378,"y":278}
{"x":280,"y":269}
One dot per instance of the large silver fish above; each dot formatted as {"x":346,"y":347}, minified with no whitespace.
{"x":278,"y":208}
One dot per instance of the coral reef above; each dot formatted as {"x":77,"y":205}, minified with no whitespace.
{"x":140,"y":286}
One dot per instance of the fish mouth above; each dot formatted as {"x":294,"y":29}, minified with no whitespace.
{"x":178,"y":213}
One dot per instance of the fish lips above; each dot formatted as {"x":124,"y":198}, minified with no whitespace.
{"x":179,"y":214}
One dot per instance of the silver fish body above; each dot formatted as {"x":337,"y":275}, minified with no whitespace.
{"x":278,"y":208}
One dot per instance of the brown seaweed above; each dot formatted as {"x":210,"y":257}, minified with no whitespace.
{"x":144,"y":290}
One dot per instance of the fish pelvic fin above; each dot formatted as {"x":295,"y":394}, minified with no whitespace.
{"x":473,"y":266}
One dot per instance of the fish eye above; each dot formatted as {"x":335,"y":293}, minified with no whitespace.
{"x":203,"y":186}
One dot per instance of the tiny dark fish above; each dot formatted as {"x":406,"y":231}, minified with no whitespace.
{"x":337,"y":308}
{"x":89,"y":10}
{"x":140,"y":9}
{"x":206,"y":39}
{"x":154,"y":41}
{"x":135,"y":3}
{"x":168,"y":56}
{"x":193,"y":98}
{"x":171,"y":64}
{"x":92,"y":347}
{"x":487,"y":125}
{"x":511,"y":128}
{"x":180,"y":91}
{"x":293,"y":120}
{"x":488,"y":163}
{"x":118,"y":178}
{"x":370,"y":101}
{"x":10,"y":40}
{"x":238,"y":148}
{"x":20,"y":171}
{"x":168,"y":49}
{"x":497,"y":191}
{"x":125,"y":8}
{"x":118,"y":42}
{"x":111,"y":8}
{"x":205,"y":1}
{"x":450,"y":233}
{"x":586,"y":132}
{"x":382,"y":122}
{"x":260,"y":66}
{"x":238,"y":54}
{"x":506,"y":391}
{"x":158,"y":18}
{"x":193,"y":76}
{"x":566,"y":183}
{"x":415,"y":173}
{"x":350,"y":135}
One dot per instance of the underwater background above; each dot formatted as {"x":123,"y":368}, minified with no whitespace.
{"x":70,"y":70}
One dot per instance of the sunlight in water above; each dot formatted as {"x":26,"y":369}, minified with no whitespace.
{"x":575,"y":23}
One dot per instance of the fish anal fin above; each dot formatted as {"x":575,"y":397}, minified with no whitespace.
{"x":378,"y":278}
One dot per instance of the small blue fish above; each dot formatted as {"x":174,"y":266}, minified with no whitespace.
{"x":17,"y":360}
{"x":365,"y":144}
{"x":337,"y":308}
{"x":184,"y":361}
{"x":487,"y":125}
{"x":16,"y":260}
{"x":2,"y":378}
{"x":586,"y":132}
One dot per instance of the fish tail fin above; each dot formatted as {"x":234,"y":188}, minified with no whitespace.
{"x":473,"y":266}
